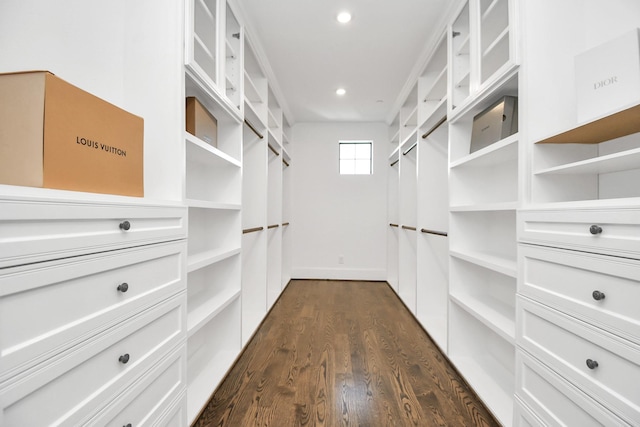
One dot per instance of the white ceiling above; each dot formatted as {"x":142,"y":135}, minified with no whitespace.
{"x":311,"y":54}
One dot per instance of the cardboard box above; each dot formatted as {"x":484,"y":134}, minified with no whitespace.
{"x":608,"y":77}
{"x":201,"y":123}
{"x":496,"y":122}
{"x":55,"y":135}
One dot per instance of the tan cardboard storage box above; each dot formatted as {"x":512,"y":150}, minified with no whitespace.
{"x":55,"y":135}
{"x":200,"y":122}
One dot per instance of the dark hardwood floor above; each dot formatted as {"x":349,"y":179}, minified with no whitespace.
{"x":341,"y":353}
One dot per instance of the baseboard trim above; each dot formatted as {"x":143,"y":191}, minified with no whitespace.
{"x":340,"y":274}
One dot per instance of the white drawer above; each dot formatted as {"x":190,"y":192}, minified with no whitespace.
{"x":571,"y":228}
{"x":48,"y":307}
{"x":76,"y":384}
{"x":601,"y":290}
{"x":545,"y":399}
{"x":150,"y":398}
{"x":567,"y":345}
{"x":32,"y":231}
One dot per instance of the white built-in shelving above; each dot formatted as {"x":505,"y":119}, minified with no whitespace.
{"x":214,"y":74}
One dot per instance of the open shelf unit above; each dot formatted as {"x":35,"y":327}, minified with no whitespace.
{"x":484,"y":198}
{"x":213,"y":73}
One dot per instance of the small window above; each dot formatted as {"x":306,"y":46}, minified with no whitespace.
{"x":355,"y":157}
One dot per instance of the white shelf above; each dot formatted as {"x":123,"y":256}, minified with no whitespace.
{"x":251,"y":114}
{"x":199,"y":151}
{"x":231,"y":86}
{"x":205,"y":204}
{"x":438,"y":111}
{"x":204,"y":47}
{"x":208,"y":310}
{"x":490,"y":9}
{"x":251,"y":92}
{"x":499,"y":152}
{"x":486,"y":376}
{"x":395,"y":138}
{"x":499,"y":39}
{"x":412,"y":118}
{"x":200,"y":389}
{"x":463,"y":49}
{"x":493,"y":262}
{"x":203,"y":259}
{"x":273,"y":120}
{"x":485,"y":207}
{"x":617,"y":162}
{"x":497,"y":316}
{"x":439,"y":85}
{"x":205,"y":8}
{"x":463,"y":81}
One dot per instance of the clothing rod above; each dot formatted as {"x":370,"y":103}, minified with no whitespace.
{"x":284,"y":224}
{"x":436,"y":126}
{"x":258,"y":134}
{"x":273,"y":149}
{"x":252,"y":230}
{"x":407,"y":227}
{"x":393,"y":225}
{"x":437,"y":233}
{"x":392,"y":164}
{"x":285,"y":162}
{"x":273,"y":226}
{"x":415,"y":144}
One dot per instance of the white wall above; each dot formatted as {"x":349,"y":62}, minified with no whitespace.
{"x":334,"y":215}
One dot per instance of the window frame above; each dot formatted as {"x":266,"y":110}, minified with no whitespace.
{"x":355,"y":158}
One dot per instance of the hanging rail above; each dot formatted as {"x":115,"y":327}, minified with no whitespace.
{"x":392,"y":164}
{"x":273,"y":226}
{"x":284,"y":224}
{"x":415,"y":144}
{"x":273,"y":149}
{"x":285,"y":162}
{"x":436,"y":126}
{"x":252,"y":230}
{"x":393,"y":225}
{"x":258,"y":134}
{"x":437,"y":233}
{"x":407,"y":227}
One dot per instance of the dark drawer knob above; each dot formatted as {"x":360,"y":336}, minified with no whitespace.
{"x":128,"y":425}
{"x":592,"y":364}
{"x":597,"y":295}
{"x":595,"y":229}
{"x":124,"y":287}
{"x":124,"y":359}
{"x":125,"y":225}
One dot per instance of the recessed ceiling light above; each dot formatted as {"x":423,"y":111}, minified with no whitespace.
{"x":344,"y":17}
{"x":340,"y":91}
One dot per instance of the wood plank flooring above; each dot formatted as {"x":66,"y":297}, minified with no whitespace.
{"x":342,"y":353}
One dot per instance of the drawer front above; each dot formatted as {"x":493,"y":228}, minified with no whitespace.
{"x":598,"y":289}
{"x":151,"y":397}
{"x":544,"y":398}
{"x":33,"y":231}
{"x":568,"y":347}
{"x":74,"y":385}
{"x":618,"y":232}
{"x":59,"y":304}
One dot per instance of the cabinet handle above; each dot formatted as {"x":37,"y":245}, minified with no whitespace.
{"x":125,"y":225}
{"x":124,"y":359}
{"x":592,"y":364}
{"x":124,"y":287}
{"x":597,"y":295}
{"x":128,"y":425}
{"x":595,"y":229}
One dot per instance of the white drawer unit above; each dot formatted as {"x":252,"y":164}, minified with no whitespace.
{"x":48,"y":307}
{"x":604,"y":366}
{"x":71,"y":387}
{"x":39,"y":230}
{"x":612,"y":230}
{"x":543,"y":398}
{"x":152,"y":398}
{"x":601,"y":290}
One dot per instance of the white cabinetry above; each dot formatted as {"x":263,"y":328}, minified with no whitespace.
{"x":578,"y":348}
{"x":71,"y":363}
{"x":214,"y":74}
{"x":483,"y":198}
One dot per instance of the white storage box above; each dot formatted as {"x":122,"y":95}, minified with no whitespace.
{"x":608,"y":77}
